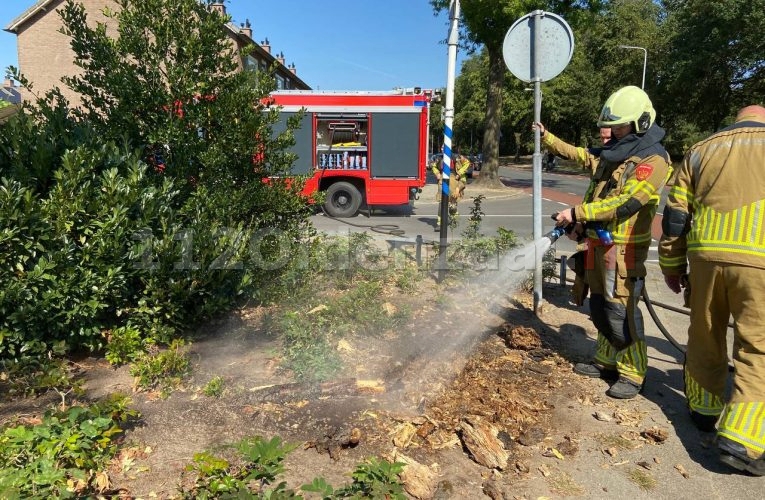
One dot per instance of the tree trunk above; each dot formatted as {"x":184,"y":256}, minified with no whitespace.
{"x":489,"y":176}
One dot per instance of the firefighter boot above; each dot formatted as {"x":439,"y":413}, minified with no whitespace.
{"x":737,"y":456}
{"x":704,"y":423}
{"x":594,"y":370}
{"x":624,"y":388}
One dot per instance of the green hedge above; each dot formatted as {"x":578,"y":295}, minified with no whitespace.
{"x":112,"y":243}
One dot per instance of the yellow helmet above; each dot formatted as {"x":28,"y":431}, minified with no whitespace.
{"x":628,"y":105}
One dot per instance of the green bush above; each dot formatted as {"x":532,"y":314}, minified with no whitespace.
{"x":164,"y":368}
{"x":34,"y":140}
{"x":65,"y":254}
{"x":262,"y":465}
{"x":62,"y":455}
{"x":143,"y":212}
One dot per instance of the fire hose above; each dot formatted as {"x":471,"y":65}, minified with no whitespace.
{"x":650,"y":303}
{"x":606,"y":239}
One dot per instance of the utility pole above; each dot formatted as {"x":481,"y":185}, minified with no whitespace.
{"x":645,"y":59}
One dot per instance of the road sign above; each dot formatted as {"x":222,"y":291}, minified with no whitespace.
{"x":554,"y":46}
{"x":537,"y":48}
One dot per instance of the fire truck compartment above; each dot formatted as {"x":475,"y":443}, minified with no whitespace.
{"x":392,"y":154}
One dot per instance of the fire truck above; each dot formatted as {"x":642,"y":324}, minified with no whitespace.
{"x":362,"y":148}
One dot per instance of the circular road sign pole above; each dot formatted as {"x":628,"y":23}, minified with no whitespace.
{"x":537,"y":47}
{"x":537,"y":160}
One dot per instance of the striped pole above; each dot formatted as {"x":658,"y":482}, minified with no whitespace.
{"x":454,"y":15}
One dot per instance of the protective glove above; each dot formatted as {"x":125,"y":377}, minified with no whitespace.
{"x":565,"y":217}
{"x":576,"y":234}
{"x":673,"y":282}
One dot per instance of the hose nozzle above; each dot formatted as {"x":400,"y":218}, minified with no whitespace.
{"x":558,"y":231}
{"x":555,"y":234}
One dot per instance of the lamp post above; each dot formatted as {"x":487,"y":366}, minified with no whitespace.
{"x":645,"y":59}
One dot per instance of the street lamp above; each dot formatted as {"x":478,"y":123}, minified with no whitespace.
{"x":645,"y":59}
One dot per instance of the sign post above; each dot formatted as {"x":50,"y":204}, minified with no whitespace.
{"x":454,"y":15}
{"x":537,"y":47}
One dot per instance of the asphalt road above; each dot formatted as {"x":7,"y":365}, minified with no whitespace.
{"x":513,"y":211}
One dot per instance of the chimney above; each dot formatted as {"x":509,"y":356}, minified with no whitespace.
{"x":280,"y":58}
{"x":293,"y":69}
{"x":246,"y":29}
{"x":8,"y":82}
{"x":218,"y":7}
{"x":265,"y":44}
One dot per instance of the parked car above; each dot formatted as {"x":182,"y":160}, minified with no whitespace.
{"x":550,"y":162}
{"x":477,"y":161}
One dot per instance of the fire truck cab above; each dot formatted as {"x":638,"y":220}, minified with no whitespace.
{"x":363,"y":148}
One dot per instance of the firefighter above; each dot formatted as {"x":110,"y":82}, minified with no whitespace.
{"x":617,"y":212}
{"x":587,"y":159}
{"x":712,"y":224}
{"x":457,"y":183}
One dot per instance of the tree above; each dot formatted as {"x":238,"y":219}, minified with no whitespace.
{"x":155,"y":80}
{"x":599,"y":66}
{"x":138,"y":210}
{"x":486,"y":23}
{"x":717,"y":59}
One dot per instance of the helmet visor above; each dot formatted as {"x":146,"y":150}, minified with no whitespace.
{"x":608,"y":118}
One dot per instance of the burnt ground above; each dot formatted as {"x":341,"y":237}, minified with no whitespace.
{"x":419,"y":395}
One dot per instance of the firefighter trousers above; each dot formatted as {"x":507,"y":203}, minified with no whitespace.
{"x":718,"y":291}
{"x":456,"y":189}
{"x":615,"y":290}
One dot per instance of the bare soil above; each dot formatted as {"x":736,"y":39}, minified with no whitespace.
{"x":419,"y":395}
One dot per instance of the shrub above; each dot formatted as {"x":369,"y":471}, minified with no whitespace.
{"x":262,"y":465}
{"x":133,"y":216}
{"x":65,"y":255}
{"x":164,"y":369}
{"x":65,"y":455}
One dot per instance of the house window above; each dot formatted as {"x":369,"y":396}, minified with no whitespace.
{"x":281,"y":83}
{"x":250,"y":63}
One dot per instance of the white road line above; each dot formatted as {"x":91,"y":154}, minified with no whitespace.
{"x":553,"y":201}
{"x":500,"y":215}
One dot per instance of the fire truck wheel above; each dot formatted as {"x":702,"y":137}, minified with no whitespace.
{"x":343,"y":200}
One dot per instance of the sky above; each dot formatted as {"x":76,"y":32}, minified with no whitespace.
{"x":334,"y":44}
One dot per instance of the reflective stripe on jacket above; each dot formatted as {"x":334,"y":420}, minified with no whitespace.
{"x":717,"y":202}
{"x":624,"y":197}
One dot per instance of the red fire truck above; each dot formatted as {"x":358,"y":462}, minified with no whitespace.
{"x":361,"y":147}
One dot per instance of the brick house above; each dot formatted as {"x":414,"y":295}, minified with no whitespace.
{"x":45,"y":56}
{"x":10,"y":93}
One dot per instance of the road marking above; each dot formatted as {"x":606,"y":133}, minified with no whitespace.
{"x":500,"y":215}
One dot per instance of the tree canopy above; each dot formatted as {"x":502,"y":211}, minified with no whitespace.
{"x":703,"y":61}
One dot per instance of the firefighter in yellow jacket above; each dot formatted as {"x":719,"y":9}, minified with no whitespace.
{"x":714,"y":219}
{"x":457,"y":182}
{"x":587,"y":159}
{"x":617,"y":213}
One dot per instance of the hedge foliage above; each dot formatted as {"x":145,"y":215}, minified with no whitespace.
{"x":147,"y":207}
